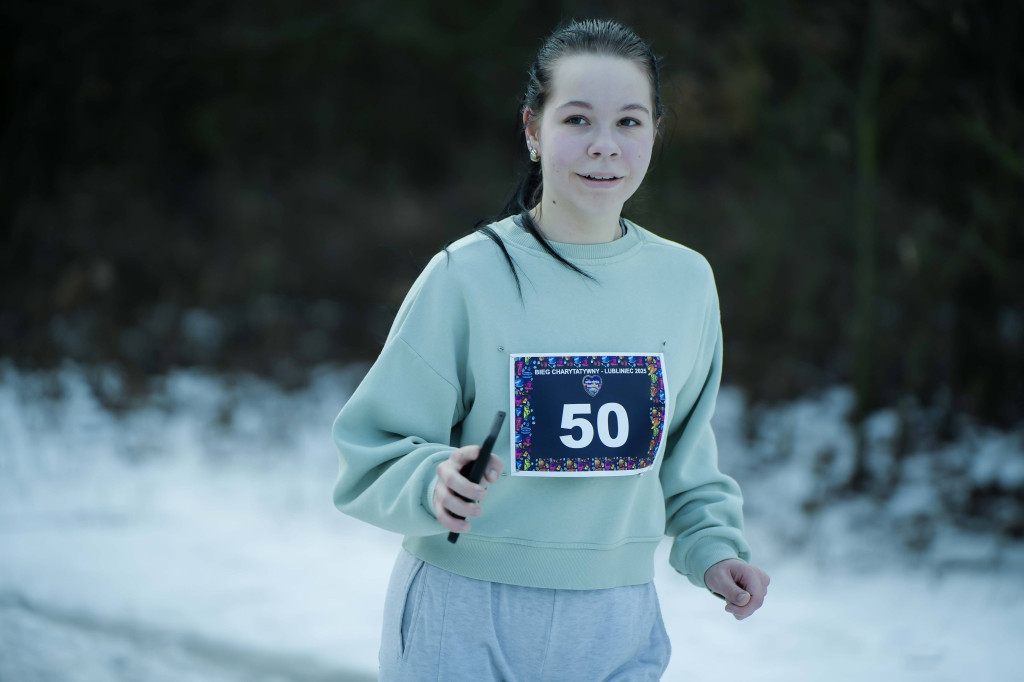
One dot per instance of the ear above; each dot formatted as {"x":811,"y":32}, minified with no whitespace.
{"x":531,"y":126}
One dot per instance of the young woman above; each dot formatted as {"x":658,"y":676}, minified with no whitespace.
{"x":602,"y":342}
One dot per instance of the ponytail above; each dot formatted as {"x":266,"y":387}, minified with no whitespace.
{"x":525,"y":196}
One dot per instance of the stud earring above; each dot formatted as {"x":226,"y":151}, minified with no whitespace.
{"x":534,"y":156}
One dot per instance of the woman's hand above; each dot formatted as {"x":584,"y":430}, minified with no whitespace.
{"x":741,"y":585}
{"x":451,"y":484}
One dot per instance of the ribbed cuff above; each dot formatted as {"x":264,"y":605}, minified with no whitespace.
{"x":705,"y":554}
{"x":428,"y":490}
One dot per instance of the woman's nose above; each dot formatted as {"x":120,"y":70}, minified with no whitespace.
{"x":603,"y":144}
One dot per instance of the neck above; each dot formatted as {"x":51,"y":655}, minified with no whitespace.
{"x":569,"y":228}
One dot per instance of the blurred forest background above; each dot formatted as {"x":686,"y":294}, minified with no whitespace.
{"x":254,"y":185}
{"x":210,"y":211}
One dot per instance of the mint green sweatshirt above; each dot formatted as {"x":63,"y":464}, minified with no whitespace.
{"x":445,"y":370}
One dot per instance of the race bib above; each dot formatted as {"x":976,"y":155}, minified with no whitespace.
{"x":587,"y":414}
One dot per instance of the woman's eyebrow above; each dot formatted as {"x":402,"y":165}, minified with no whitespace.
{"x":635,"y":107}
{"x":577,"y":103}
{"x":586,"y":105}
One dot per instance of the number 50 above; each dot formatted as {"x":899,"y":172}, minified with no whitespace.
{"x":571,"y":420}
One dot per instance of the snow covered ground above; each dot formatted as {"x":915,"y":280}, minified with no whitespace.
{"x":192,"y":538}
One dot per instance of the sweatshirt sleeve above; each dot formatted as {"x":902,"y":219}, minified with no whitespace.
{"x":396,"y":427}
{"x":703,"y":507}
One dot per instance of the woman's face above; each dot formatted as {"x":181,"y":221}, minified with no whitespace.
{"x":594,"y":136}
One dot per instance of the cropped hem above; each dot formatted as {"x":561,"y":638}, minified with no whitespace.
{"x":555,"y":567}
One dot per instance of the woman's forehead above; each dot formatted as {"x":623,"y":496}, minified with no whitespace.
{"x":600,"y":81}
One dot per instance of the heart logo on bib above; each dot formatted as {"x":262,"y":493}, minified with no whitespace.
{"x":592,"y":384}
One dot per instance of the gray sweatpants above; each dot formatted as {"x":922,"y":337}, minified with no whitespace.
{"x":442,"y":626}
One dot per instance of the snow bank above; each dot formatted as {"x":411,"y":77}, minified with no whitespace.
{"x":192,"y":536}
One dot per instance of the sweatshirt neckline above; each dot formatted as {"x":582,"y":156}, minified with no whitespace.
{"x":512,"y":231}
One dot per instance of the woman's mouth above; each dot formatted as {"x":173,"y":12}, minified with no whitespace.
{"x":599,"y":179}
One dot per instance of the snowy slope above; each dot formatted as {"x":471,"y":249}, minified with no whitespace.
{"x":193,"y":538}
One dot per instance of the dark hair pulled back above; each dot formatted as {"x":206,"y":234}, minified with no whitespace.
{"x":592,"y":36}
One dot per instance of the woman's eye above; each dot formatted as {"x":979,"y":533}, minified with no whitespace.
{"x":629,"y":122}
{"x":576,"y":120}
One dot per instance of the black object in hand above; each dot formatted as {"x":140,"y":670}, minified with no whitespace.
{"x":474,"y":470}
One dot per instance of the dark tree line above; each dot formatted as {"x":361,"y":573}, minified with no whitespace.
{"x":255,"y":184}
